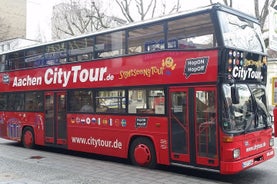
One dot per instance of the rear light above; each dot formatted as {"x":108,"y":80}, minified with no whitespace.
{"x":236,"y":153}
{"x":271,"y":142}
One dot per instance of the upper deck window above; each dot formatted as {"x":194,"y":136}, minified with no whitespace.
{"x":15,"y":61}
{"x":55,"y":53}
{"x":34,"y":57}
{"x":196,"y":32}
{"x":144,"y":39}
{"x":110,"y":44}
{"x":3,"y":62}
{"x":241,"y":33}
{"x":81,"y":49}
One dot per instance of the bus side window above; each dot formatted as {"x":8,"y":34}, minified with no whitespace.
{"x":3,"y":101}
{"x":191,"y":34}
{"x":137,"y":100}
{"x":34,"y":57}
{"x":16,"y":60}
{"x":11,"y":105}
{"x":81,"y":101}
{"x":110,"y":44}
{"x":146,"y":101}
{"x":81,"y":49}
{"x":55,"y":54}
{"x":15,"y":101}
{"x":2,"y":62}
{"x":139,"y":39}
{"x":111,"y":101}
{"x":33,"y":101}
{"x":74,"y":99}
{"x":154,"y":45}
{"x":86,"y":101}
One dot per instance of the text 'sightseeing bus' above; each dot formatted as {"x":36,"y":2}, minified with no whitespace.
{"x":186,"y":89}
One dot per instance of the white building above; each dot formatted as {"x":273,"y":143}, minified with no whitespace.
{"x":12,"y":19}
{"x":271,"y":72}
{"x":13,"y":25}
{"x":16,"y":43}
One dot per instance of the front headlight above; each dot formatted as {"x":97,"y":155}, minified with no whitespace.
{"x":271,"y":142}
{"x":236,"y":153}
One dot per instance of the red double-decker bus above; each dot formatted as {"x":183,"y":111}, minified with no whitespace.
{"x":187,"y":89}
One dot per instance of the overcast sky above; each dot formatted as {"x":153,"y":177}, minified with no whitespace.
{"x":39,"y":14}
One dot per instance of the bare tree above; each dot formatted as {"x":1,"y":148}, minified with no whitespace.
{"x":226,"y":2}
{"x":147,"y":9}
{"x":75,"y":17}
{"x":262,"y":15}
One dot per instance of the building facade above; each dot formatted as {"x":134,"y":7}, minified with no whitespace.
{"x":271,"y":72}
{"x":16,"y":43}
{"x":13,"y":19}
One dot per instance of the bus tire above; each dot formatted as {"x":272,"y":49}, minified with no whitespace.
{"x":28,"y":138}
{"x":142,"y":153}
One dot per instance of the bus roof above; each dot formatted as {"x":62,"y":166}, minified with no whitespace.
{"x":200,"y":10}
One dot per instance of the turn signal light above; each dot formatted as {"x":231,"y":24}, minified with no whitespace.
{"x":228,"y":139}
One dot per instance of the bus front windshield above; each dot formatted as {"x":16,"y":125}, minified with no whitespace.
{"x":241,"y":33}
{"x":249,"y":113}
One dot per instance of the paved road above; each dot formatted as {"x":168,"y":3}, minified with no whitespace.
{"x":54,"y":166}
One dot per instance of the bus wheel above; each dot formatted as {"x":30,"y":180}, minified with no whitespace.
{"x":142,"y":153}
{"x":28,"y":138}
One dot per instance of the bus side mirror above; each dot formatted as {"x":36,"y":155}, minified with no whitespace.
{"x":235,"y":95}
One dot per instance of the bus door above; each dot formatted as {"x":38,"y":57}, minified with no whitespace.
{"x":179,"y":125}
{"x":205,"y":126}
{"x":193,"y":136}
{"x":55,"y":118}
